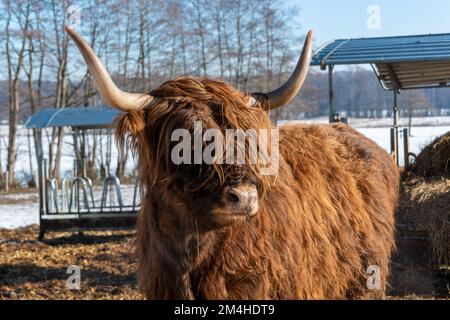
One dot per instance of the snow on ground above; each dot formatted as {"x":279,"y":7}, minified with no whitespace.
{"x":420,"y":137}
{"x":15,"y":215}
{"x":18,"y":215}
{"x":383,"y":122}
{"x":26,"y":212}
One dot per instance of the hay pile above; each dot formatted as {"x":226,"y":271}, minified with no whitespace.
{"x":425,"y":208}
{"x":434,"y":159}
{"x":425,"y":197}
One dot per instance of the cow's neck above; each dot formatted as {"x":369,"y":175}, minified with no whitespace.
{"x":187,"y":246}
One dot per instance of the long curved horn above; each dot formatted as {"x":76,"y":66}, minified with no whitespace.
{"x":108,"y":90}
{"x":291,"y":87}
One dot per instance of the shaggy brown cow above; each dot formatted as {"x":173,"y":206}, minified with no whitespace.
{"x":220,"y":231}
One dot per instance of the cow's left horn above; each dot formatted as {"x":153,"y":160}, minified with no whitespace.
{"x":108,"y":90}
{"x":291,"y":87}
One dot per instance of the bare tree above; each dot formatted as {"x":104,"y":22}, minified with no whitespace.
{"x":201,"y":30}
{"x":126,"y":48}
{"x":18,"y":13}
{"x":142,"y":44}
{"x":36,"y":58}
{"x":58,"y":12}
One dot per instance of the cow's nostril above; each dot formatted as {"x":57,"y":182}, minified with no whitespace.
{"x":232,"y":197}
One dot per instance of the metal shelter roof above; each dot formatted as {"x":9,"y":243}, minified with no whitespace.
{"x":405,"y":62}
{"x":82,"y":117}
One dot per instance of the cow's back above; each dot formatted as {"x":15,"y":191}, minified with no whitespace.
{"x":339,"y":147}
{"x":356,"y":188}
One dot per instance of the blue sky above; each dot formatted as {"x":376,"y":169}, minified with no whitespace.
{"x":332,"y":19}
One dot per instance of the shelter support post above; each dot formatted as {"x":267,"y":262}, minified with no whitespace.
{"x":394,"y":140}
{"x":330,"y":94}
{"x":77,"y":165}
{"x":41,"y":184}
{"x":406,"y":147}
{"x":38,"y":144}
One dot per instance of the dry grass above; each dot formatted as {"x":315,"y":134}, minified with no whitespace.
{"x":30,"y":269}
{"x":425,"y":198}
{"x":412,"y":275}
{"x":423,"y":225}
{"x":434,"y":160}
{"x":425,"y":205}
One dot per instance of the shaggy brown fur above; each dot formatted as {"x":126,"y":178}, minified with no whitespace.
{"x":323,"y":219}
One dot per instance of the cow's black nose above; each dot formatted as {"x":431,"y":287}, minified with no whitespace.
{"x":241,"y":198}
{"x":233,"y":196}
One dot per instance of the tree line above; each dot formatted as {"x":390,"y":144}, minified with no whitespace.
{"x":142,"y":43}
{"x":253,"y":45}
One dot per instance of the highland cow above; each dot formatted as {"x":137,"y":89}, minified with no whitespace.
{"x":224,"y":231}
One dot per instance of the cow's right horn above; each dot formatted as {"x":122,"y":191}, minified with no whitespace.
{"x":112,"y":95}
{"x":291,"y":87}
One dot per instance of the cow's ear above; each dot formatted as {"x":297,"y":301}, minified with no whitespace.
{"x":129,"y":125}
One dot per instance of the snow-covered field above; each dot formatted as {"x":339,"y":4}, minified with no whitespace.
{"x":384,"y":122}
{"x":25,"y":211}
{"x":20,"y":214}
{"x":420,"y":137}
